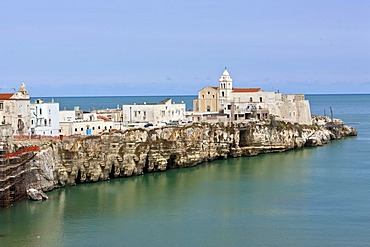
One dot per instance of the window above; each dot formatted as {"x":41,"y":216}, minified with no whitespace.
{"x":45,"y":122}
{"x":260,"y":99}
{"x":40,"y":111}
{"x":98,"y":127}
{"x":208,"y":108}
{"x":250,"y":99}
{"x":82,"y":129}
{"x":229,"y":107}
{"x":32,"y":121}
{"x":49,"y":121}
{"x":135,"y":113}
{"x":75,"y":129}
{"x":223,"y":94}
{"x":1,"y":106}
{"x":208,"y":92}
{"x":93,"y":128}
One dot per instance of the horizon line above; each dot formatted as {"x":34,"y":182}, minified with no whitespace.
{"x":175,"y":95}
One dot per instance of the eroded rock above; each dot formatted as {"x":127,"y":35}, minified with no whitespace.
{"x":137,"y":151}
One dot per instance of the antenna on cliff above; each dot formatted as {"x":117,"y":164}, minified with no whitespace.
{"x":331,"y":114}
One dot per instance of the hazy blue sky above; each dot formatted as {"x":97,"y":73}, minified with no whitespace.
{"x":171,"y":47}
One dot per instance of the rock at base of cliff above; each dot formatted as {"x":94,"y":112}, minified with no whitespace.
{"x":36,"y":195}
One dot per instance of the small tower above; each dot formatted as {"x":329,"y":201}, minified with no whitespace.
{"x":225,"y":88}
{"x":22,"y":93}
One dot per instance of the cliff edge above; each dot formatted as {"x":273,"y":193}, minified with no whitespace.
{"x":137,"y":151}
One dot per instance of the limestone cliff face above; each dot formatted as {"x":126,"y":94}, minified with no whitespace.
{"x":138,"y":151}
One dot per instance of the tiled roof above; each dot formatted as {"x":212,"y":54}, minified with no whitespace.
{"x":246,"y":90}
{"x":5,"y":96}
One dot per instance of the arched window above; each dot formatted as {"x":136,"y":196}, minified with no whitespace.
{"x":208,"y":108}
{"x":223,"y":94}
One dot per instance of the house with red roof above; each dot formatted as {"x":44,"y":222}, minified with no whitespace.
{"x":15,"y":110}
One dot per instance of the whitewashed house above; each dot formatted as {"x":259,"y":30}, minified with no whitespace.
{"x":163,"y":112}
{"x":45,"y":118}
{"x":77,"y":122}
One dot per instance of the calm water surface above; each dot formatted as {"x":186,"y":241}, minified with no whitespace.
{"x":308,"y":197}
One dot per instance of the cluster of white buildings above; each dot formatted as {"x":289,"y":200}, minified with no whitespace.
{"x":221,"y":103}
{"x":45,"y":119}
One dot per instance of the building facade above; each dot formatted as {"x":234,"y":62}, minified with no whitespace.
{"x":45,"y":118}
{"x":163,"y":112}
{"x":77,"y":122}
{"x":207,"y":100}
{"x":239,"y":104}
{"x":15,"y":110}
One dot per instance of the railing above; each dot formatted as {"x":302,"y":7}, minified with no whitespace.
{"x":36,"y":137}
{"x":22,"y":151}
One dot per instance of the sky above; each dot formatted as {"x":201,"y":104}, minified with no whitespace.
{"x":171,"y":47}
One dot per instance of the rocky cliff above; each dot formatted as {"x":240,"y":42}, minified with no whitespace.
{"x":138,"y":151}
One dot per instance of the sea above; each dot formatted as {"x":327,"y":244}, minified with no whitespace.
{"x":306,"y":197}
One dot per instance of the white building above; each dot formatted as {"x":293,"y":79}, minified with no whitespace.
{"x":15,"y":110}
{"x":45,"y":118}
{"x":163,"y":112}
{"x":71,"y":115}
{"x":114,"y":115}
{"x":77,"y":122}
{"x":239,"y":104}
{"x":85,"y":127}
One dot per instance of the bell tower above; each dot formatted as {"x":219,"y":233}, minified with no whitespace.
{"x":225,"y":88}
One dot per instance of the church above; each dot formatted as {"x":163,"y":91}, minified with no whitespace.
{"x":15,"y":110}
{"x":241,"y":104}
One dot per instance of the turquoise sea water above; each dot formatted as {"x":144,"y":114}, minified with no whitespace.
{"x":307,"y":197}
